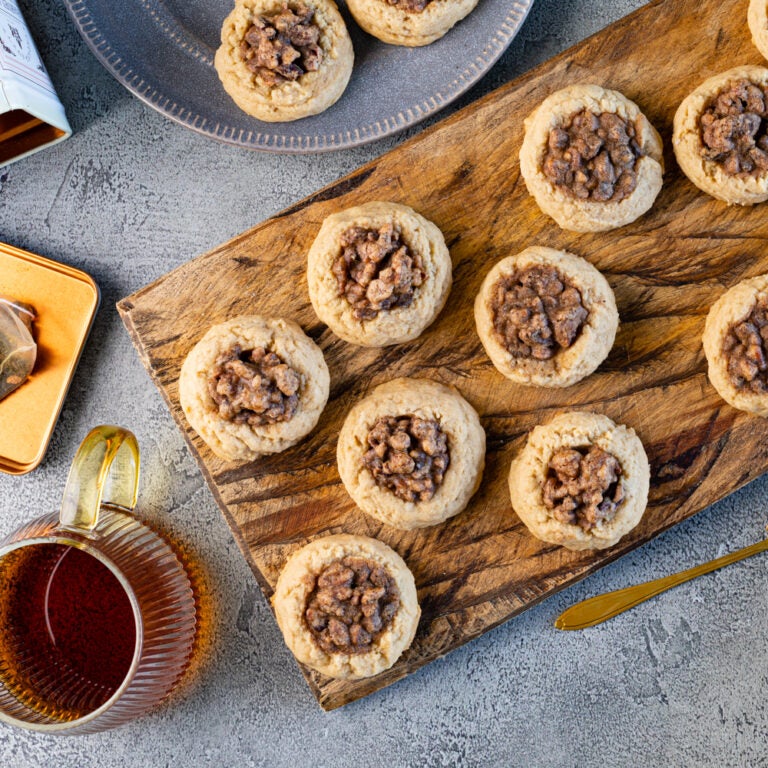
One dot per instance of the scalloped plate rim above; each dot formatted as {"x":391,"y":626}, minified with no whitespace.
{"x":275,"y":143}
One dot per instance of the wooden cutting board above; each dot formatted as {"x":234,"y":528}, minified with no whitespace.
{"x":482,"y":567}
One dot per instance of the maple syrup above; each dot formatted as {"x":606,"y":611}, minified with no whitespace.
{"x":67,"y":630}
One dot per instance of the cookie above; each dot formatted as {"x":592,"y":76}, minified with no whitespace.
{"x":346,"y":606}
{"x":591,"y":159}
{"x":736,"y":345}
{"x":253,"y":386}
{"x":378,"y":274}
{"x":412,"y":453}
{"x":546,"y":317}
{"x":757,"y":17}
{"x":409,"y":22}
{"x":721,"y":136}
{"x":581,"y":481}
{"x":282,"y":60}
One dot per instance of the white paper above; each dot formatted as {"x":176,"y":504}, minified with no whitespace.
{"x":24,"y":81}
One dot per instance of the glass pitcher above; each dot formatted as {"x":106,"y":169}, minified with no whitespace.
{"x":97,"y":613}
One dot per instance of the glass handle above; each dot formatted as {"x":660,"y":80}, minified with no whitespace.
{"x":105,"y":470}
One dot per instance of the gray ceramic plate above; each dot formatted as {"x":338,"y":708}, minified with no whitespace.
{"x":162,"y":51}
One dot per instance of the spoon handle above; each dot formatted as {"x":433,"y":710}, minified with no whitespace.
{"x":601,"y":607}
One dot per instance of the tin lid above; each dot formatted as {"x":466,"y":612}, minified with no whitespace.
{"x":65,"y":300}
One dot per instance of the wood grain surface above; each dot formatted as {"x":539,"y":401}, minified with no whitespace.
{"x":482,"y":567}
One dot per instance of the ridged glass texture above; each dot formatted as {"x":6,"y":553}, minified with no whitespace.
{"x":164,"y":609}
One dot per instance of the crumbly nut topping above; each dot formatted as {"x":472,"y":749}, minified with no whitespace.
{"x":409,"y":6}
{"x":353,"y":600}
{"x":254,"y":387}
{"x":283,"y":46}
{"x":377,"y":270}
{"x":583,"y":486}
{"x":594,"y":157}
{"x":746,"y":350}
{"x":408,"y":456}
{"x":734,"y":129}
{"x":537,"y":312}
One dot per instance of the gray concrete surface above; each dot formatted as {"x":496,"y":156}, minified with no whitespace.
{"x":680,"y":681}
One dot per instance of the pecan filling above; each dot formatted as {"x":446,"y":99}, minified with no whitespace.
{"x":734,"y":129}
{"x":583,"y":486}
{"x":537,"y":312}
{"x":594,"y":157}
{"x":376,"y":270}
{"x":408,"y":456}
{"x":745,"y":348}
{"x":283,"y":46}
{"x":254,"y":387}
{"x":410,"y":6}
{"x":352,"y":602}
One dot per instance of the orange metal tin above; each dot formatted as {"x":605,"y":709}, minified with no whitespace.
{"x":65,"y":300}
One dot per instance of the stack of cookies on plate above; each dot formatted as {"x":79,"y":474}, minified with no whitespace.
{"x":282,"y":60}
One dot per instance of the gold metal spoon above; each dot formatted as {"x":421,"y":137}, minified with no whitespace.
{"x":602,"y":607}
